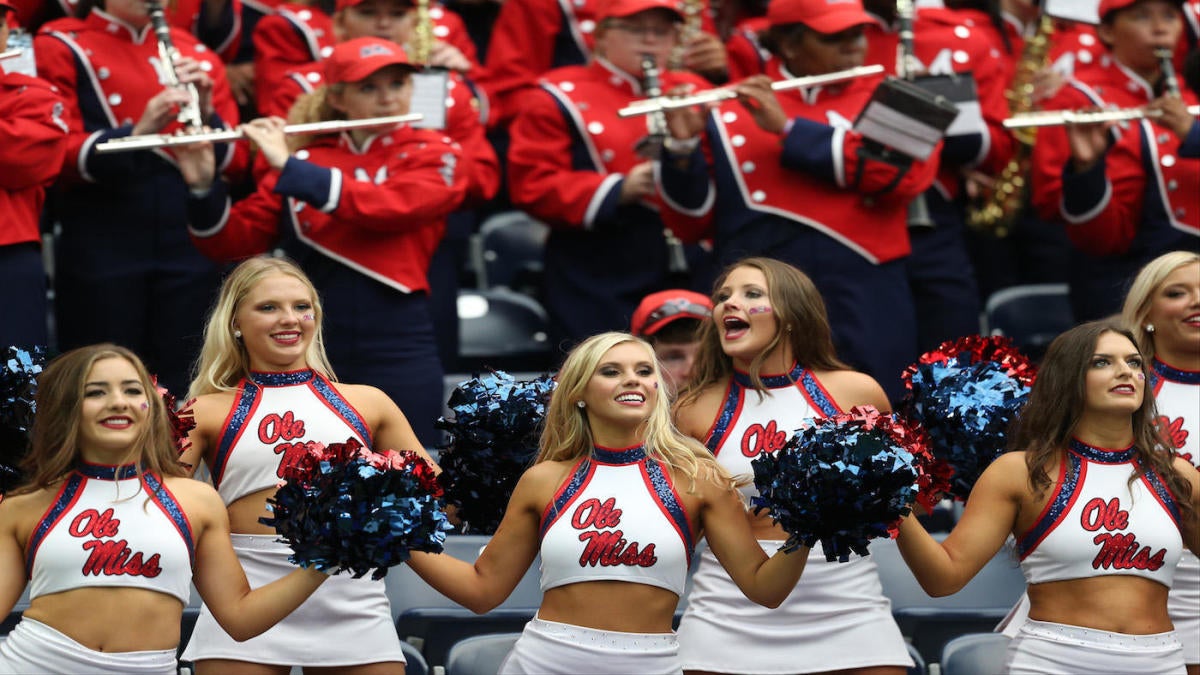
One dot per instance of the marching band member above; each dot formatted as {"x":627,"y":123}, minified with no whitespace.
{"x":1163,"y":310}
{"x":1099,"y":511}
{"x":33,"y":140}
{"x":573,"y":164}
{"x":794,"y":182}
{"x":142,"y":293}
{"x":362,"y":212}
{"x":110,"y":535}
{"x":1126,"y":193}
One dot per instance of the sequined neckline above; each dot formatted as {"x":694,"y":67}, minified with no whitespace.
{"x":1102,"y":455}
{"x":1173,"y":374}
{"x":787,"y":379}
{"x":107,"y":471}
{"x":282,"y":379}
{"x":621,"y":456}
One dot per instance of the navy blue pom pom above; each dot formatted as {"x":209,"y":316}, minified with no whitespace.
{"x":18,"y":391}
{"x":493,"y":439}
{"x":842,"y":481}
{"x":345,"y":508}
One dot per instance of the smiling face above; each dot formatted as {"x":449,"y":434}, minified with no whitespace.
{"x":113,"y":411}
{"x":744,"y":315}
{"x":1175,"y":315}
{"x":622,"y":391}
{"x":277,"y":321}
{"x":1116,"y":381}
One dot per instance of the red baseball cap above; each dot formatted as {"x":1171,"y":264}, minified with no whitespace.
{"x":615,"y":9}
{"x":4,"y":6}
{"x":355,"y":59}
{"x":1107,"y":6}
{"x":823,"y":16}
{"x":659,"y":309}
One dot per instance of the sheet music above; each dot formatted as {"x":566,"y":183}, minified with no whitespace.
{"x":429,"y":97}
{"x":25,"y":63}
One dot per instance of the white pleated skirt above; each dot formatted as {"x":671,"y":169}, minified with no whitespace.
{"x":34,"y":647}
{"x":547,"y":647}
{"x":1044,"y":648}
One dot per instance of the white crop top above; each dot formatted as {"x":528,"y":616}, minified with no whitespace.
{"x":617,"y":518}
{"x":107,"y":528}
{"x":751,"y":423}
{"x":1096,"y":524}
{"x":1177,"y":395}
{"x":273,"y":414}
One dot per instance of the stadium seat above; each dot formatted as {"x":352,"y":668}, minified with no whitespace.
{"x":503,"y":330}
{"x":1032,"y":315}
{"x":929,"y":623}
{"x":507,"y":252}
{"x":480,"y":655}
{"x":415,"y":663}
{"x":918,"y":667}
{"x":436,"y":629}
{"x":974,"y":654}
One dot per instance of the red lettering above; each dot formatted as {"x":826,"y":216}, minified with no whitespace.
{"x":610,"y":549}
{"x":1123,"y":552}
{"x":593,"y":513}
{"x":273,"y":428}
{"x":92,"y":523}
{"x":1172,"y":429}
{"x":1097,"y":513}
{"x":114,"y":558}
{"x":759,"y":439}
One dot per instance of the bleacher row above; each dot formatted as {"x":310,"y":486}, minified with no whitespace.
{"x":502,"y":325}
{"x":945,"y":635}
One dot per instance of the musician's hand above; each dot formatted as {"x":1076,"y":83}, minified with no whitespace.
{"x":193,"y":72}
{"x":638,"y":183}
{"x":704,"y":54}
{"x":755,"y":94}
{"x":1088,"y":143}
{"x":446,"y":55}
{"x":267,"y":134}
{"x":241,"y":81}
{"x":197,"y":164}
{"x":685,"y":123}
{"x":160,"y":111}
{"x":1046,"y":83}
{"x":1175,"y":115}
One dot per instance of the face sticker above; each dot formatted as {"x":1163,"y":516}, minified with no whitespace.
{"x":1141,"y":376}
{"x":763,"y":309}
{"x":307,"y":317}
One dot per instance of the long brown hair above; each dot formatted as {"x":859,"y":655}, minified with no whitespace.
{"x":54,"y":449}
{"x":798,"y":308}
{"x":1051,"y":416}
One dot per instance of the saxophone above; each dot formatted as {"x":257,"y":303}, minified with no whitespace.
{"x":421,"y":43}
{"x":691,"y":28}
{"x":996,"y":210}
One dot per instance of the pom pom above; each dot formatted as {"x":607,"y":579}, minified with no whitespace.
{"x":181,"y":417}
{"x":843,"y":481}
{"x":345,"y":508}
{"x":18,"y":393}
{"x":493,"y":439}
{"x":964,"y":395}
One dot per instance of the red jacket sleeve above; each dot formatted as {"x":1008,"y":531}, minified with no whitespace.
{"x":481,"y":165}
{"x":33,"y":133}
{"x":249,"y":228}
{"x":280,"y":46}
{"x":521,"y":49}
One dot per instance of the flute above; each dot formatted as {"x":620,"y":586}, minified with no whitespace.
{"x":660,"y":103}
{"x":10,"y":54}
{"x":1055,"y":118}
{"x":152,"y":141}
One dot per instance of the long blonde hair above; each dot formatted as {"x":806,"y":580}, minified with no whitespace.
{"x":312,"y":107}
{"x":54,"y":448}
{"x":568,"y":433}
{"x":223,"y":359}
{"x":1141,"y":295}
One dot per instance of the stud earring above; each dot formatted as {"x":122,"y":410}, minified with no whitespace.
{"x":1149,"y":328}
{"x":581,"y":404}
{"x":237,"y":334}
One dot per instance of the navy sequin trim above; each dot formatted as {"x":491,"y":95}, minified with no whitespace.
{"x":560,"y":502}
{"x":173,"y":511}
{"x":662,"y":488}
{"x":1176,"y":375}
{"x":107,"y":471}
{"x":1057,"y":508}
{"x":241,"y":413}
{"x":1155,"y":482}
{"x":725,"y":418}
{"x":771,"y":381}
{"x":347,"y":413}
{"x":282,"y":379}
{"x":818,"y":396}
{"x":1100,"y":455}
{"x":70,"y":488}
{"x":627,"y":456}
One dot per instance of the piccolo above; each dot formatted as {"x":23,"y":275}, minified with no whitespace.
{"x":1056,"y":118}
{"x":152,"y":141}
{"x":658,"y":103}
{"x":10,"y":54}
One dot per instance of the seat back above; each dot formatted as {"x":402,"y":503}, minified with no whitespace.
{"x":502,"y":329}
{"x":480,"y":655}
{"x":975,"y":654}
{"x":1032,"y":315}
{"x":414,"y":662}
{"x":508,"y":250}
